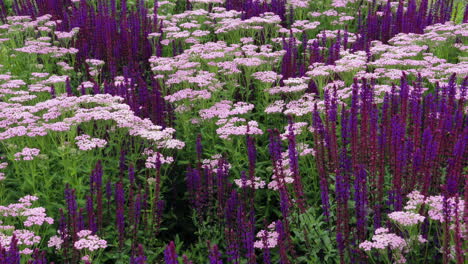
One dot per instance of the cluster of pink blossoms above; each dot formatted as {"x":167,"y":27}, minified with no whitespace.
{"x":293,"y":85}
{"x":285,"y":175}
{"x":257,"y":183}
{"x":236,"y":126}
{"x":230,"y":124}
{"x":267,"y":76}
{"x":437,"y":210}
{"x":94,"y":66}
{"x":189,"y":94}
{"x":225,"y":109}
{"x":55,"y":242}
{"x":383,"y":240}
{"x":67,"y":35}
{"x":89,"y":242}
{"x":267,"y":238}
{"x":26,"y":239}
{"x":27,"y":154}
{"x":297,"y":128}
{"x":406,"y":218}
{"x":435,"y":206}
{"x":85,"y":142}
{"x":213,"y":163}
{"x":3,"y":165}
{"x":22,"y":212}
{"x":22,"y":120}
{"x":36,"y":216}
{"x":156,"y":157}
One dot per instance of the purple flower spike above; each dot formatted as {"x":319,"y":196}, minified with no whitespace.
{"x":215,"y":256}
{"x":139,"y":256}
{"x":120,"y":211}
{"x":170,"y":254}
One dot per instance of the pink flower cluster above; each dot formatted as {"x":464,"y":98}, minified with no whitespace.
{"x":293,"y":85}
{"x":85,"y":142}
{"x":236,"y":126}
{"x":89,"y":242}
{"x":297,"y":128}
{"x":95,"y":62}
{"x":304,"y":149}
{"x":266,"y":76}
{"x":3,"y":165}
{"x":27,"y":154}
{"x":156,"y":157}
{"x":406,"y":218}
{"x":19,"y":120}
{"x":44,"y":49}
{"x":435,"y":206}
{"x":94,"y":66}
{"x":38,"y":88}
{"x":267,"y":238}
{"x":28,"y":216}
{"x":257,"y":183}
{"x":55,"y":241}
{"x":67,"y":35}
{"x":26,"y":239}
{"x":416,"y":199}
{"x":225,"y":109}
{"x":36,"y":216}
{"x":278,"y":180}
{"x":285,"y":176}
{"x":383,"y":240}
{"x":213,"y":162}
{"x":300,"y":107}
{"x":410,"y":217}
{"x":189,"y":94}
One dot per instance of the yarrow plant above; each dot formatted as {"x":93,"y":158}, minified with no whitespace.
{"x":383,"y":241}
{"x":267,"y":238}
{"x":90,"y":245}
{"x":85,"y":142}
{"x":409,"y":223}
{"x":27,"y":154}
{"x":24,"y":225}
